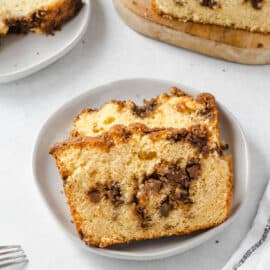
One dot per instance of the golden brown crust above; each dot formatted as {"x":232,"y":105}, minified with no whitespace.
{"x":45,"y":21}
{"x":230,"y":186}
{"x":107,"y":243}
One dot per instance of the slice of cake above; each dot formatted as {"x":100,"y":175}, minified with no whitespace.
{"x":42,"y":16}
{"x":252,"y":15}
{"x":135,"y":183}
{"x":177,"y":110}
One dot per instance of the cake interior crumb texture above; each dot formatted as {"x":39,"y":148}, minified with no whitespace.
{"x":42,"y":16}
{"x":133,"y":183}
{"x":252,"y":15}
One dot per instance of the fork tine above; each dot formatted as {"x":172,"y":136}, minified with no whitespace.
{"x":9,"y":263}
{"x":10,"y":247}
{"x":21,"y":256}
{"x":5,"y":252}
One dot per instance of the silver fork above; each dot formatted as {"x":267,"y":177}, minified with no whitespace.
{"x":11,"y":255}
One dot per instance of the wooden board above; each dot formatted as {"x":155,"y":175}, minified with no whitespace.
{"x":216,"y":41}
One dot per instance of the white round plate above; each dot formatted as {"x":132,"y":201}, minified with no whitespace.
{"x":22,"y":55}
{"x":57,"y":128}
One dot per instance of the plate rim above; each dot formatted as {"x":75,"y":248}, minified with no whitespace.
{"x":157,"y":254}
{"x":25,"y":72}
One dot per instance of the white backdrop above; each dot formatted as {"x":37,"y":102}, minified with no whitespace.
{"x":111,"y":51}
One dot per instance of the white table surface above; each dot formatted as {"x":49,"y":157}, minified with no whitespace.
{"x":111,"y":51}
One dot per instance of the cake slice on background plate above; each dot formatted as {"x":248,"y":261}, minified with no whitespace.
{"x":135,"y":183}
{"x":41,"y":16}
{"x":251,"y":15}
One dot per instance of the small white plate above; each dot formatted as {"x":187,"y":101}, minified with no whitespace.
{"x":22,"y":55}
{"x":50,"y":184}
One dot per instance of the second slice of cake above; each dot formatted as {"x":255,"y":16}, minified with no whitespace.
{"x":174,"y":110}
